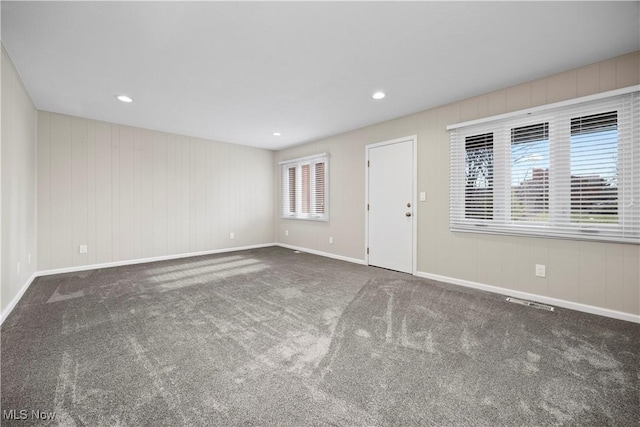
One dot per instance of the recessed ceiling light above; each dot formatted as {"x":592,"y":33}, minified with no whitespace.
{"x":277,"y":134}
{"x":124,"y":98}
{"x":378,"y":95}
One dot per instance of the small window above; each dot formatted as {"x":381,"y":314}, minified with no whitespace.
{"x":594,"y":168}
{"x":530,"y":173}
{"x":305,"y":188}
{"x":291,"y":193}
{"x":479,"y":176}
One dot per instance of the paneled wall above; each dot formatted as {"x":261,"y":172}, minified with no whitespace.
{"x":18,"y":225}
{"x":130,"y":193}
{"x":604,"y":275}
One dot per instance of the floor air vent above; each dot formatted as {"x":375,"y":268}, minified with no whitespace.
{"x":531,"y":304}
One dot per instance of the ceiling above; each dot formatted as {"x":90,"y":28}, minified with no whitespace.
{"x":239,"y":71}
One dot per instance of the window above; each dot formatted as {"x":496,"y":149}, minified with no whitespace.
{"x":594,"y":166}
{"x":529,"y":155}
{"x":478,"y":189}
{"x":305,"y":188}
{"x":570,"y":171}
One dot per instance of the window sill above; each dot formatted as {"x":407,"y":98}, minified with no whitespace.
{"x":590,"y":235}
{"x":323,"y":219}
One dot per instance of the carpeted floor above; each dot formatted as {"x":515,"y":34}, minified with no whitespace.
{"x":271,"y":337}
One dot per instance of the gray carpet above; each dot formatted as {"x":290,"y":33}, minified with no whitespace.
{"x":270,"y":337}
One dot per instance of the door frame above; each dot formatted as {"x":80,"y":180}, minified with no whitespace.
{"x":414,"y":197}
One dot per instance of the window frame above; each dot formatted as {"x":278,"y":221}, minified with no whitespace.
{"x":298,"y":164}
{"x":559,"y":216}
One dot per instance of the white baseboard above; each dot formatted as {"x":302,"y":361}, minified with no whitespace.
{"x":533,"y":297}
{"x":15,"y":299}
{"x":452,"y":280}
{"x":145,"y":260}
{"x":324,"y":254}
{"x":494,"y":289}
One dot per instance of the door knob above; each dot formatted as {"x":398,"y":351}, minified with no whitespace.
{"x":408,"y":214}
{"x":408,"y":205}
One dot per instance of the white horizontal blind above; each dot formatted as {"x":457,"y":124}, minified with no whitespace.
{"x":318,"y":189}
{"x":570,"y":172}
{"x":529,"y":183}
{"x":304,"y":188}
{"x":479,"y":180}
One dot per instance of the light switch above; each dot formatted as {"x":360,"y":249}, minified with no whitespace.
{"x":423,"y":196}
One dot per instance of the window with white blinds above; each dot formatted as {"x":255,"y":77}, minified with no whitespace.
{"x":569,"y":172}
{"x":304,"y":188}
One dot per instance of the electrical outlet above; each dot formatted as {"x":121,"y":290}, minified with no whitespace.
{"x":286,"y":232}
{"x":541,"y":270}
{"x":232,"y":236}
{"x":83,"y":249}
{"x":331,"y":240}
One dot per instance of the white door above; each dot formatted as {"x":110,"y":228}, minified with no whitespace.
{"x":390,"y":205}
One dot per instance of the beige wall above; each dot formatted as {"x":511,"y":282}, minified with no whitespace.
{"x":131,"y":193}
{"x":604,"y":275}
{"x":18,"y":185}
